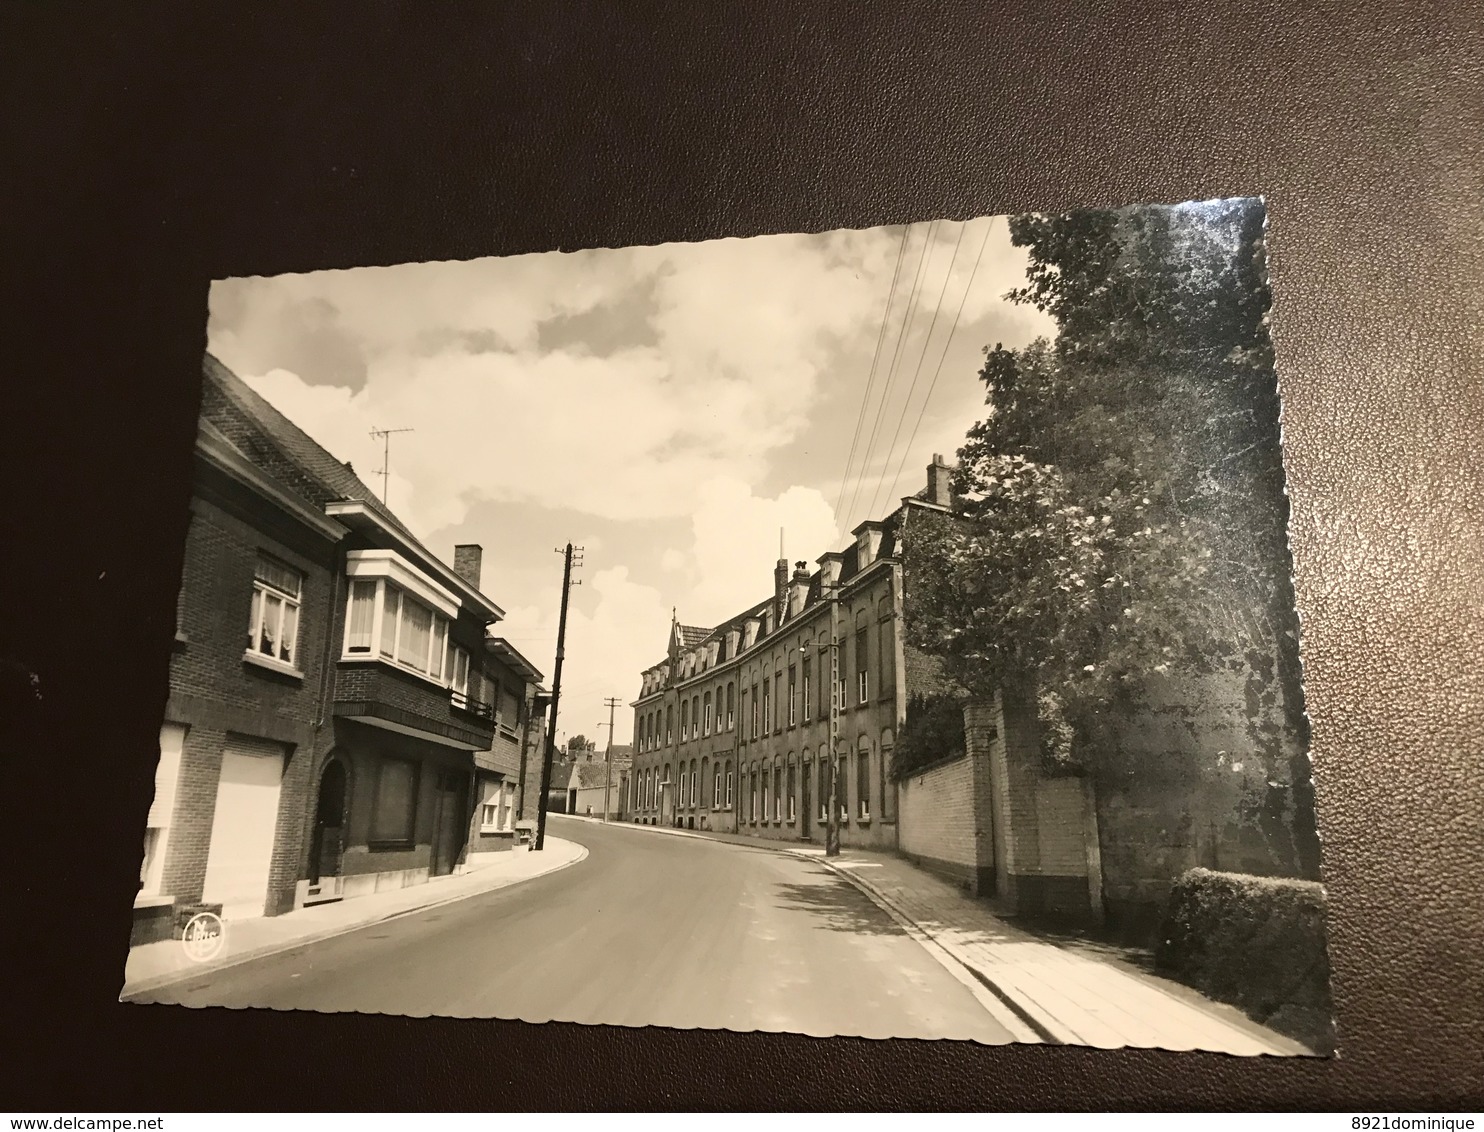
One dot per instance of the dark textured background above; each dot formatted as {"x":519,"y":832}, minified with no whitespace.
{"x":151,"y":149}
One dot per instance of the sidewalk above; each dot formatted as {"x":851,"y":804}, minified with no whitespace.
{"x":155,"y":965}
{"x":1065,"y":996}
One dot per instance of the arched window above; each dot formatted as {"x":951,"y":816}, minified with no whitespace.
{"x":731,"y":704}
{"x":669,"y":723}
{"x":716,"y":788}
{"x":793,"y":789}
{"x":824,"y":782}
{"x":695,"y":799}
{"x":706,"y":708}
{"x":778,"y":789}
{"x":752,"y":794}
{"x":767,"y":796}
{"x":684,"y":720}
{"x":842,"y":783}
{"x":863,"y":779}
{"x":888,"y":788}
{"x":729,"y":784}
{"x":680,"y":787}
{"x":705,"y":782}
{"x":695,"y":716}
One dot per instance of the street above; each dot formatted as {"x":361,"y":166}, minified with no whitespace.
{"x":650,"y":929}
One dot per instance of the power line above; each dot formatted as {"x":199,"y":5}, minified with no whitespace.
{"x":907,"y":320}
{"x":891,"y":293}
{"x":917,"y":373}
{"x":941,"y":357}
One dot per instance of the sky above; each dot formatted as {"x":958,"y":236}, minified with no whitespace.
{"x":668,"y":409}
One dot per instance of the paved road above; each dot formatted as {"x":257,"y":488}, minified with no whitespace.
{"x":650,"y":929}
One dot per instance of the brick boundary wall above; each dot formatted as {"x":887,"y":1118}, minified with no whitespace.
{"x":944,"y":824}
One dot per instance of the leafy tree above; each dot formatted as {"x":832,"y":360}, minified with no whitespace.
{"x":1122,"y":504}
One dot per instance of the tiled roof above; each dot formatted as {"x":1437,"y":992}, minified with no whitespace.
{"x":281,"y":448}
{"x":692,"y":635}
{"x":589,"y":775}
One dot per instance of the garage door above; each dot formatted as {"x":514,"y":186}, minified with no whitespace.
{"x":243,"y":826}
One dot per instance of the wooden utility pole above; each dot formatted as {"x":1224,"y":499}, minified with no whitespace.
{"x":556,"y":694}
{"x":832,"y":822}
{"x":611,"y":703}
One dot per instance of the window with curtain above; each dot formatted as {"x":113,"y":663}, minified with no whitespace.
{"x":863,"y":783}
{"x":362,"y":617}
{"x":777,"y":791}
{"x":731,"y":692}
{"x":706,"y":707}
{"x":793,"y":790}
{"x":767,"y":796}
{"x":273,"y":623}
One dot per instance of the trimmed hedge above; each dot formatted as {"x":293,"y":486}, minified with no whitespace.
{"x":1258,"y":943}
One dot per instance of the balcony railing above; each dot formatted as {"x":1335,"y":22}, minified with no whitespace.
{"x":465,"y":702}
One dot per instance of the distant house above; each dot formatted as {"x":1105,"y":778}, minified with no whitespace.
{"x":593,"y":784}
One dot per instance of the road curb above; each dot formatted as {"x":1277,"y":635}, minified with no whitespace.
{"x":1043,"y":1025}
{"x":131,"y":992}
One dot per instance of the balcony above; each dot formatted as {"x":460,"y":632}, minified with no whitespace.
{"x":462,"y":701}
{"x":383,"y":695}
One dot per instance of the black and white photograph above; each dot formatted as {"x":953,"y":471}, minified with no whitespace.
{"x":882,"y":633}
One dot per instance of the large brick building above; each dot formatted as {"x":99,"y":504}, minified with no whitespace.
{"x":732,"y":728}
{"x":340,"y":719}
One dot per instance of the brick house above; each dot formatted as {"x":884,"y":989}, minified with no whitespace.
{"x":330,"y":748}
{"x":731,"y":729}
{"x":515,"y":753}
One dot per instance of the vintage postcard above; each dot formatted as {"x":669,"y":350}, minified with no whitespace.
{"x":882,"y":633}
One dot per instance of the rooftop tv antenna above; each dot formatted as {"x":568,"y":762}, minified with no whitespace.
{"x":385,"y":471}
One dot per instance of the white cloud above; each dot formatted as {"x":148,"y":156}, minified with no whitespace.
{"x":611,"y":638}
{"x":743,"y":330}
{"x":735,"y":544}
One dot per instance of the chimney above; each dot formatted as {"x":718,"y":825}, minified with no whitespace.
{"x":938,"y":489}
{"x":467,"y":558}
{"x":780,"y":591}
